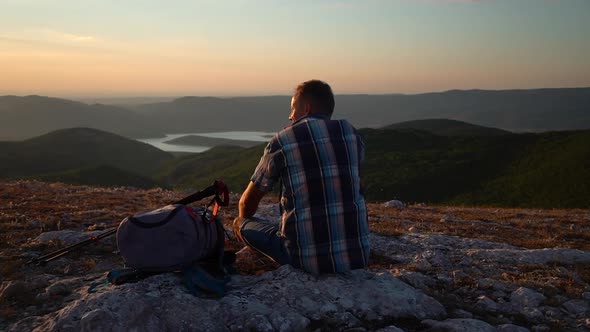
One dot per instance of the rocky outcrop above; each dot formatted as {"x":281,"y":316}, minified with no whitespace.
{"x":434,"y":282}
{"x":280,"y":300}
{"x":290,"y":300}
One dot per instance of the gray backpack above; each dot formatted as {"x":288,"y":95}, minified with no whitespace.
{"x":170,"y":238}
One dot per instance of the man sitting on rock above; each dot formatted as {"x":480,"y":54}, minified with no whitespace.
{"x":323,"y":226}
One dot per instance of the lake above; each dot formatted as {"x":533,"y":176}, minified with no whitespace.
{"x":159,"y":142}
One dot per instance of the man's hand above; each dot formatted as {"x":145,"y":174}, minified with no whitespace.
{"x":236,"y":228}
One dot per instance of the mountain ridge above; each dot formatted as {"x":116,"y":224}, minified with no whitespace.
{"x":543,"y":109}
{"x":447,"y":127}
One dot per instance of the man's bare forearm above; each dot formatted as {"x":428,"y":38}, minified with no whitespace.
{"x":249,"y":201}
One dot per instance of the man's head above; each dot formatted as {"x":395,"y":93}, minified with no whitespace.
{"x":312,"y":97}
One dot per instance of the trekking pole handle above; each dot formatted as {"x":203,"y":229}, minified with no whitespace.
{"x":221,"y":188}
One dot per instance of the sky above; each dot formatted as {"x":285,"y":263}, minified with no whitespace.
{"x":83,"y":48}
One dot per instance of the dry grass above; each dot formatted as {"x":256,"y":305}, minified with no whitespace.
{"x":528,"y":228}
{"x":552,"y":280}
{"x":28,"y":208}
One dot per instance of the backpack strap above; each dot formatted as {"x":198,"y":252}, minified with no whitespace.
{"x":199,"y":281}
{"x":118,"y":277}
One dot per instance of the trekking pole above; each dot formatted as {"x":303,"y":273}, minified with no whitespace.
{"x":56,"y":254}
{"x":217,"y":188}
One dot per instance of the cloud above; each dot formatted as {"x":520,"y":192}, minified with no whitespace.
{"x":77,"y":38}
{"x":50,"y":35}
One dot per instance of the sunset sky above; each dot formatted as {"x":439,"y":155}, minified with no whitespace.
{"x":74,"y":48}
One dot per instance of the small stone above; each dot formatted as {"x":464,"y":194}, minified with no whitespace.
{"x":485,"y":283}
{"x":154,"y":293}
{"x":486,"y":304}
{"x":96,"y":227}
{"x":560,"y":299}
{"x":390,"y":328}
{"x":460,"y":313}
{"x":356,"y":329}
{"x":35,"y":223}
{"x":42,"y":298}
{"x":12,"y":290}
{"x":498,"y":294}
{"x":540,"y":328}
{"x":417,"y":279}
{"x":58,"y":289}
{"x":97,"y":320}
{"x":576,"y":307}
{"x":66,"y":218}
{"x":458,"y":324}
{"x":526,"y":298}
{"x":511,"y":328}
{"x":552,"y":313}
{"x":394,"y":204}
{"x":533,"y":315}
{"x":459,"y":276}
{"x":423,"y":266}
{"x":586,"y":296}
{"x":448,"y":218}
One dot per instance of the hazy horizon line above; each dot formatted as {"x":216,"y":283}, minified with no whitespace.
{"x":224,"y":96}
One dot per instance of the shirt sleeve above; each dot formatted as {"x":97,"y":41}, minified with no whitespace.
{"x":270,"y":166}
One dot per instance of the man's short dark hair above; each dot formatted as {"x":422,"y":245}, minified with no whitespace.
{"x":319,"y":94}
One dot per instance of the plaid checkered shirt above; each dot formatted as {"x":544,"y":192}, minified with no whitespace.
{"x":324,"y":222}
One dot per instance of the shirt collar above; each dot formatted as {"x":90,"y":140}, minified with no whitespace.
{"x":313,"y":116}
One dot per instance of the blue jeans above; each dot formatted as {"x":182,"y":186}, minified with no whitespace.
{"x":263,"y":236}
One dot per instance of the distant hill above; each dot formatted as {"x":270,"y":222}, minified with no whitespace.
{"x":547,"y":170}
{"x":528,"y":170}
{"x":99,"y":176}
{"x":78,"y":148}
{"x":446,"y":127}
{"x":210,"y":114}
{"x":513,"y":110}
{"x":30,"y":116}
{"x":233,"y":164}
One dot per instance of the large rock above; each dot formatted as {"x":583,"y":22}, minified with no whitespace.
{"x":282,"y":300}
